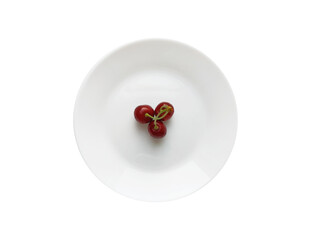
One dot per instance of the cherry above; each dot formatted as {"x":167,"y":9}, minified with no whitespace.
{"x":141,"y":111}
{"x":165,"y":115}
{"x":157,"y":129}
{"x":163,"y":112}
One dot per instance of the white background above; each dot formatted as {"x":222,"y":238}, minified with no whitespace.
{"x":264,"y":49}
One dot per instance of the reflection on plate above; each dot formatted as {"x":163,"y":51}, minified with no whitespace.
{"x":120,"y":152}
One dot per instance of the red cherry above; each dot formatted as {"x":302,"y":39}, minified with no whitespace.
{"x":141,"y":111}
{"x":164,"y":105}
{"x":158,"y":130}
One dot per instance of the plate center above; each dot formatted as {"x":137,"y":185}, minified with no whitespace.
{"x":152,"y":85}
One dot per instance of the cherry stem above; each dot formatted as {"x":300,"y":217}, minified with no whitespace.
{"x":148,"y":115}
{"x":164,"y":109}
{"x":155,"y":125}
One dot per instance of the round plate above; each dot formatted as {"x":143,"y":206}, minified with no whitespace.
{"x":119,"y":150}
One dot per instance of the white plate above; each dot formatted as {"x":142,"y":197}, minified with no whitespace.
{"x":200,"y":135}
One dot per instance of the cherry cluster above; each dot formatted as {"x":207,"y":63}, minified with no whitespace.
{"x":163,"y":112}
